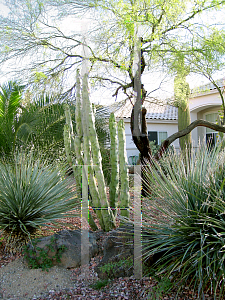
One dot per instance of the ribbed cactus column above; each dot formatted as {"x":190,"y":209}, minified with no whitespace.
{"x":68,"y":136}
{"x":108,"y":217}
{"x":114,"y":183}
{"x":78,"y":136}
{"x":67,"y":144}
{"x":124,"y":178}
{"x":181,"y":93}
{"x":87,"y":159}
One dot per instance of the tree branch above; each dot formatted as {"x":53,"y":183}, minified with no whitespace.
{"x":184,"y":132}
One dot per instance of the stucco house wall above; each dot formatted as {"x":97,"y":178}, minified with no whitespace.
{"x":160,"y":119}
{"x":204,"y":101}
{"x":166,"y":126}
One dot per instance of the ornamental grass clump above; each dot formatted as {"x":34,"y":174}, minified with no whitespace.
{"x":186,"y":224}
{"x":32,"y":194}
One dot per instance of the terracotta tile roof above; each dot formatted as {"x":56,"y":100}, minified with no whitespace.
{"x":207,"y":88}
{"x":154,"y":111}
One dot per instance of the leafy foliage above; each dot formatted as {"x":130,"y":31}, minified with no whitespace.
{"x":32,"y":194}
{"x":100,"y":284}
{"x":47,"y":129}
{"x":109,"y":267}
{"x":39,"y":258}
{"x":186,"y":223}
{"x":10,"y":106}
{"x":34,"y":123}
{"x":163,"y":286}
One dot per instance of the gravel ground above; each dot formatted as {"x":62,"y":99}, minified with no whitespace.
{"x":18,"y":282}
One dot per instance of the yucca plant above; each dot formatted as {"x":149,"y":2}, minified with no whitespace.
{"x":32,"y":194}
{"x":185,"y":220}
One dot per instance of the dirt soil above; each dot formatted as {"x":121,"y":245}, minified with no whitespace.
{"x":19,"y":282}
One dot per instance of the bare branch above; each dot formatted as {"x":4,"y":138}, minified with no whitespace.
{"x":186,"y":131}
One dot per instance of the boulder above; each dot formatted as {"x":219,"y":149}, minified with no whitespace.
{"x":115,"y":246}
{"x":71,"y":240}
{"x":118,"y":252}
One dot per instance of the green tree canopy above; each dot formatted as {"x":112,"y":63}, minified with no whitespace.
{"x":33,"y":33}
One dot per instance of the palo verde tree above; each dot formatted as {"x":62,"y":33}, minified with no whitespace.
{"x":32,"y":31}
{"x":208,"y":62}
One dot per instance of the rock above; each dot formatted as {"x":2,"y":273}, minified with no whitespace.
{"x":117,"y":254}
{"x":71,"y":239}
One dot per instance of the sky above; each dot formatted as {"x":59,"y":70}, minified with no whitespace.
{"x":104,"y":96}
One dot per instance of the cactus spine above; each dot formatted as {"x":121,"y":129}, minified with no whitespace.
{"x":114,"y":183}
{"x":124,"y":178}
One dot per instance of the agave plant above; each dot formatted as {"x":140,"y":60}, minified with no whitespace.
{"x":32,"y":194}
{"x":186,"y":222}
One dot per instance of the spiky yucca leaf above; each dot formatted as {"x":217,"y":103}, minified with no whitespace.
{"x":187,"y":224}
{"x":32,"y":194}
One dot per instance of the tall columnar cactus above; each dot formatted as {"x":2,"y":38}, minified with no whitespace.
{"x":95,"y":202}
{"x":182,"y":93}
{"x":91,"y":157}
{"x":124,"y":178}
{"x":78,"y":136}
{"x":69,"y":141}
{"x":114,"y":183}
{"x":67,"y":144}
{"x":108,"y":217}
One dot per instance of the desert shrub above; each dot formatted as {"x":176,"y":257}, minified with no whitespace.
{"x":32,"y":194}
{"x":188,"y":230}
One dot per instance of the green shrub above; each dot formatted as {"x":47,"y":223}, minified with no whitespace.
{"x":100,"y":284}
{"x":186,"y":224}
{"x":32,"y":194}
{"x":164,"y":286}
{"x":110,"y":267}
{"x":39,"y":258}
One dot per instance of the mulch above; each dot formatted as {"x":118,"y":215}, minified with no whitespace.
{"x":118,"y":288}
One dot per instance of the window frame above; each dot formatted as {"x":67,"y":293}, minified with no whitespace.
{"x":158,"y":135}
{"x":211,"y":131}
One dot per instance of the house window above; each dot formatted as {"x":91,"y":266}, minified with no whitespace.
{"x":162,"y":136}
{"x":210,"y":133}
{"x":157,"y":136}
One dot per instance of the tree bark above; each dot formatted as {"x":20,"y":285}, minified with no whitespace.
{"x":186,"y":131}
